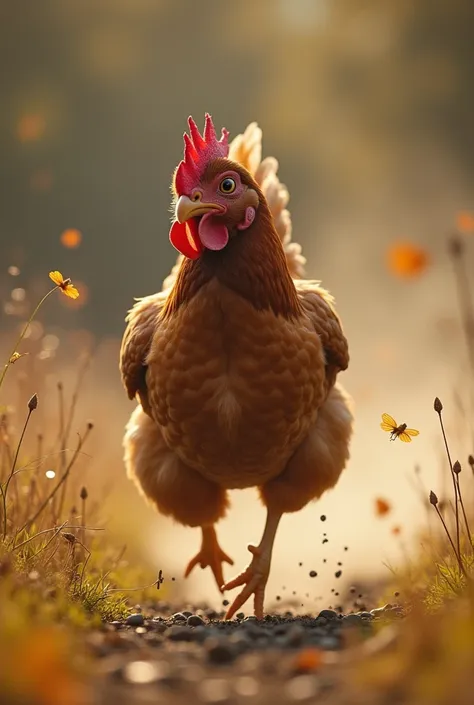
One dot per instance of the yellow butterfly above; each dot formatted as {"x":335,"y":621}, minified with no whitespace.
{"x":396,"y":431}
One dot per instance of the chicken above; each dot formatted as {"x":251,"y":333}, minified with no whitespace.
{"x":234,"y":362}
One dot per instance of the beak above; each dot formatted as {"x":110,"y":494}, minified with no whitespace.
{"x":186,"y":209}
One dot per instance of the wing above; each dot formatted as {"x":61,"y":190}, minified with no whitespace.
{"x":319,"y":306}
{"x":387,"y":427}
{"x":141,"y":326}
{"x":411,"y":432}
{"x":405,"y":437}
{"x":389,"y":420}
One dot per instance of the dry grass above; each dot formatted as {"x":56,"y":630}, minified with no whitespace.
{"x":58,"y":565}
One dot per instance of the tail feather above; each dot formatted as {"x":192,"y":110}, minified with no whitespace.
{"x":246,"y":149}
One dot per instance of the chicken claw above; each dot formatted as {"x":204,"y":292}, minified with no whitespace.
{"x":211,"y":555}
{"x":254,"y":578}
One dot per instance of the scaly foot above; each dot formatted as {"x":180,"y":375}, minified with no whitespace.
{"x":211,"y":555}
{"x":254,"y":578}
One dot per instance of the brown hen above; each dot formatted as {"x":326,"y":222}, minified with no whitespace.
{"x":234,"y":363}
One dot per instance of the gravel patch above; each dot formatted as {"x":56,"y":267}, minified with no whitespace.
{"x":160,"y":656}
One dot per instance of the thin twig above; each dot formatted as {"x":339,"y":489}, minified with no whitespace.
{"x":31,"y":408}
{"x":66,"y":525}
{"x":23,"y":333}
{"x":64,"y":477}
{"x":458,"y":555}
{"x":466,"y":522}
{"x":439,"y":412}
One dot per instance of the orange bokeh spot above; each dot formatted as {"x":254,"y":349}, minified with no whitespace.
{"x":308,"y":660}
{"x":30,"y":128}
{"x":71,"y":238}
{"x":465,"y":222}
{"x":396,"y":530}
{"x":406,"y":260}
{"x":382,"y":507}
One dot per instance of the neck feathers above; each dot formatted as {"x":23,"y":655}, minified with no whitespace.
{"x":252,"y":265}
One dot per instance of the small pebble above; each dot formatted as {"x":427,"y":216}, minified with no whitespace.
{"x":328,"y":614}
{"x":352,"y":619}
{"x":179,"y":617}
{"x":240,"y":615}
{"x":135,"y":620}
{"x":195,"y":621}
{"x":366,"y":615}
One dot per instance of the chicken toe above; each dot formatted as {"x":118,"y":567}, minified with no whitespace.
{"x":254,"y":578}
{"x":211,"y":555}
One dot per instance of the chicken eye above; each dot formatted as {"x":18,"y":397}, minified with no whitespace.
{"x":227,"y":185}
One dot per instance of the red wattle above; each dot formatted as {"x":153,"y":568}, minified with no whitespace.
{"x":185,"y":238}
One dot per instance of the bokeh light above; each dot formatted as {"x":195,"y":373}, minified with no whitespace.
{"x":30,"y":127}
{"x":71,"y":238}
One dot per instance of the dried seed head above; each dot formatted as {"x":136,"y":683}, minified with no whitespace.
{"x":457,"y":467}
{"x":84,"y":494}
{"x":33,"y":402}
{"x":438,"y":407}
{"x":69,"y":537}
{"x":60,"y":386}
{"x":90,"y":425}
{"x":471,"y":461}
{"x":433,"y":499}
{"x":455,"y":246}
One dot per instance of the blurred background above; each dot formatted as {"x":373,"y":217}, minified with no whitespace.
{"x":368,"y":106}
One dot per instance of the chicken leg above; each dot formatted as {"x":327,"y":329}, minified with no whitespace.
{"x":211,"y":554}
{"x":254,"y":578}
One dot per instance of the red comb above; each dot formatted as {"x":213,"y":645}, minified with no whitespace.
{"x":199,"y":150}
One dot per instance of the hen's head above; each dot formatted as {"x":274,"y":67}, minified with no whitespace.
{"x":215,"y":197}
